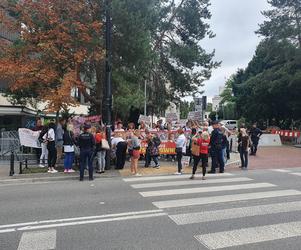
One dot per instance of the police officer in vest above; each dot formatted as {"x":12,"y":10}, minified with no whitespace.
{"x":216,"y":148}
{"x":86,"y":143}
{"x":255,"y":134}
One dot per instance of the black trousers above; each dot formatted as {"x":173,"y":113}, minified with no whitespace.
{"x":179,"y":159}
{"x":254,"y":147}
{"x":217,"y":160}
{"x":197,"y":159}
{"x":52,"y":154}
{"x":120,"y":154}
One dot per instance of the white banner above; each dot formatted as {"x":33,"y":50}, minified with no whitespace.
{"x":144,"y":118}
{"x":29,"y":138}
{"x":172,"y":117}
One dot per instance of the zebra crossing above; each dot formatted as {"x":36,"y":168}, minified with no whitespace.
{"x":224,"y":199}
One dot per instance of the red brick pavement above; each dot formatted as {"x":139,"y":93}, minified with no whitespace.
{"x":275,"y":157}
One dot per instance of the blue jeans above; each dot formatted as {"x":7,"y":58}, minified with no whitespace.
{"x":86,"y":155}
{"x":68,"y":161}
{"x":101,"y":158}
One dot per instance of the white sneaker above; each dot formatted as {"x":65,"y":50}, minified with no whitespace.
{"x":137,"y":174}
{"x":71,"y":170}
{"x":178,"y":173}
{"x":53,"y":171}
{"x":49,"y":171}
{"x":41,"y":166}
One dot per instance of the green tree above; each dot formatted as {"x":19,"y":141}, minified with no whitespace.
{"x":284,"y":21}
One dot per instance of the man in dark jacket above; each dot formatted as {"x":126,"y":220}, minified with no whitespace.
{"x":86,"y":143}
{"x":255,"y":134}
{"x":216,"y":148}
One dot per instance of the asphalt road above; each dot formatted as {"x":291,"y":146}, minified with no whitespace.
{"x":257,"y":209}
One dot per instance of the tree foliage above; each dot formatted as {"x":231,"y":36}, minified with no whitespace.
{"x":269,"y":88}
{"x":157,"y":41}
{"x":284,"y":21}
{"x":56,"y":39}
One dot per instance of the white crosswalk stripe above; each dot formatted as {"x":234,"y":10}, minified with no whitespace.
{"x":234,"y":213}
{"x":281,"y":170}
{"x":218,"y":186}
{"x":297,"y":174}
{"x":38,"y":240}
{"x":169,"y":177}
{"x":224,"y":198}
{"x":205,"y":189}
{"x":250,"y":235}
{"x":186,"y":183}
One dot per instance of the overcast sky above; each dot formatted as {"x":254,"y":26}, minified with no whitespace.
{"x":234,"y":23}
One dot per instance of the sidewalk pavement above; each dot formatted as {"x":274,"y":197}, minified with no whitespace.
{"x":267,"y":158}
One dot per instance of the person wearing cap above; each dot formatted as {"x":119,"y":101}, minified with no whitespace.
{"x":255,"y":134}
{"x":216,"y":148}
{"x":86,"y":143}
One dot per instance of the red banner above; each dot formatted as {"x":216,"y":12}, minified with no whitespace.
{"x":165,"y":148}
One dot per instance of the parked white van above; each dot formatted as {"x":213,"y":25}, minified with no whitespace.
{"x":230,"y":124}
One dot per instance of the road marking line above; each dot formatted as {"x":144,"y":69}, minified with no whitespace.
{"x":234,"y":213}
{"x":224,"y":198}
{"x":281,"y":170}
{"x":79,"y":218}
{"x":76,"y":223}
{"x":167,"y":177}
{"x":297,"y":174}
{"x":43,"y":240}
{"x":7,"y":230}
{"x":205,"y":189}
{"x":250,"y":235}
{"x":194,"y":182}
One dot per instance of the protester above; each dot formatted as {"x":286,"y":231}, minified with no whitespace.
{"x":255,"y":134}
{"x":38,"y":127}
{"x":86,"y":144}
{"x":243,"y":146}
{"x":120,"y":146}
{"x":119,"y":127}
{"x":100,"y":151}
{"x":44,"y":154}
{"x":180,"y":149}
{"x":216,"y":148}
{"x":203,"y":141}
{"x":59,"y":133}
{"x":135,"y":146}
{"x":49,"y":139}
{"x":225,"y":144}
{"x":152,"y":150}
{"x":68,"y":144}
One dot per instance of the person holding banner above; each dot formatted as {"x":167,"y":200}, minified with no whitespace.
{"x":180,"y":149}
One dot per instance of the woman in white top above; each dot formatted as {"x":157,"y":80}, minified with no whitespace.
{"x":180,"y":149}
{"x":49,"y":137}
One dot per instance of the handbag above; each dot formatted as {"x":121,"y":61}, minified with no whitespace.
{"x":104,"y":144}
{"x":76,"y":150}
{"x":195,"y":149}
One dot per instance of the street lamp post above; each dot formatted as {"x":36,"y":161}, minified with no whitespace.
{"x":107,"y":112}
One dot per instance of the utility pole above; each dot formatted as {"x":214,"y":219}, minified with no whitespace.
{"x":107,"y":111}
{"x":145,"y":97}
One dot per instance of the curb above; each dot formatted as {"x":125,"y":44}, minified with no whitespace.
{"x":32,"y":179}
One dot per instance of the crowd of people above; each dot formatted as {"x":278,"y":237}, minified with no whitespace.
{"x":195,"y":140}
